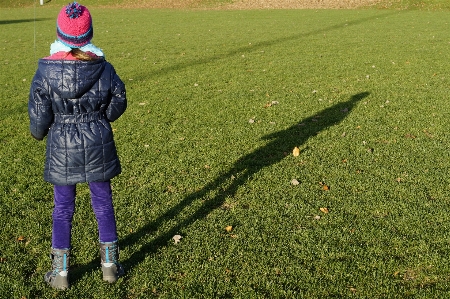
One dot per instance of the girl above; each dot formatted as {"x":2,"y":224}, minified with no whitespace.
{"x":74,"y":96}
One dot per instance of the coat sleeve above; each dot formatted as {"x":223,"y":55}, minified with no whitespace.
{"x":39,"y":108}
{"x":118,"y":103}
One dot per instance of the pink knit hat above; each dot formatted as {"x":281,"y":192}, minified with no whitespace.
{"x":74,"y":25}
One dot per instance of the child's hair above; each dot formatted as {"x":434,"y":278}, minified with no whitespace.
{"x":80,"y":55}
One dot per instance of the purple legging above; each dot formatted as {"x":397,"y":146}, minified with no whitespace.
{"x":101,"y":200}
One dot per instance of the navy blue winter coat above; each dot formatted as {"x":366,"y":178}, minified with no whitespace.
{"x":73,"y":102}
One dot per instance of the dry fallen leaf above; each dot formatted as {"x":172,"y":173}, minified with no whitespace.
{"x":428,"y":133}
{"x":324,"y":210}
{"x":226,"y":206}
{"x":296,"y":151}
{"x":177,"y":239}
{"x":229,"y":228}
{"x":324,"y":186}
{"x":295,"y":182}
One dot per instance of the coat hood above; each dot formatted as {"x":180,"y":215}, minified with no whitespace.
{"x":71,"y":78}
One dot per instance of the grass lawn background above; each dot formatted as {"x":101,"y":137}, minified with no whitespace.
{"x":217,"y":102}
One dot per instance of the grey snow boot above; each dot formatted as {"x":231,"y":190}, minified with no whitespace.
{"x":58,"y":277}
{"x":111,"y":268}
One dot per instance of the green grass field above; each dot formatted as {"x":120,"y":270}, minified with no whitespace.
{"x":218,"y":100}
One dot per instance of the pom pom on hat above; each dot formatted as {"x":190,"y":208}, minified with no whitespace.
{"x":74,"y":25}
{"x":73,"y":10}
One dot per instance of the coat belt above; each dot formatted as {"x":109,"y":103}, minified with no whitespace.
{"x":78,"y":118}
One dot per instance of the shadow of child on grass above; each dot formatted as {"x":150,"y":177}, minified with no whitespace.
{"x":243,"y":169}
{"x":228,"y":183}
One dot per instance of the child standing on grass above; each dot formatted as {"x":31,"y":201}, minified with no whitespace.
{"x":74,"y":96}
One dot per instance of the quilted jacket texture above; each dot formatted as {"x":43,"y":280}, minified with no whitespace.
{"x":73,"y":102}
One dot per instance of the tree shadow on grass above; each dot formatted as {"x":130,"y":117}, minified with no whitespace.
{"x":243,"y":169}
{"x":6,"y":22}
{"x":263,"y":44}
